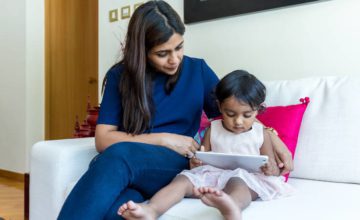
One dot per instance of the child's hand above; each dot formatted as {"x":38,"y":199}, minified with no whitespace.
{"x":194,"y":162}
{"x":271,"y":169}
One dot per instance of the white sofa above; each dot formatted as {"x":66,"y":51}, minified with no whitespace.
{"x":327,"y":160}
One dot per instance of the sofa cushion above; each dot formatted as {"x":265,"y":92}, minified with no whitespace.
{"x":312,"y":200}
{"x":286,"y":120}
{"x":328,"y":147}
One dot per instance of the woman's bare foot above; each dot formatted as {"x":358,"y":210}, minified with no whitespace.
{"x":137,"y":211}
{"x":220,"y":200}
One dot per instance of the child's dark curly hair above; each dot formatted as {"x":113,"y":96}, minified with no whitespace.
{"x":244,"y":86}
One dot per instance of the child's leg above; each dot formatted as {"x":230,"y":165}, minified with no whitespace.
{"x":242,"y":195}
{"x":160,"y":202}
{"x":235,"y":197}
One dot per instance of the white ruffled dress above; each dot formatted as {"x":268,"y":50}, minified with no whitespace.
{"x":250,"y":142}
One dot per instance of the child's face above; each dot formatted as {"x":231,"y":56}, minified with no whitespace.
{"x":238,"y":117}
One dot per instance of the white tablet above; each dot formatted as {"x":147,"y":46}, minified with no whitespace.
{"x":251,"y":163}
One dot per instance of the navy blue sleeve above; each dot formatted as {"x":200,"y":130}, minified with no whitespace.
{"x":210,"y":81}
{"x":110,"y":108}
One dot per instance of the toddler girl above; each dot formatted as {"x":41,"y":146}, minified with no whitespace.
{"x":240,"y":97}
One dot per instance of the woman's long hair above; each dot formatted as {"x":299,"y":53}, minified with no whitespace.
{"x":152,"y":24}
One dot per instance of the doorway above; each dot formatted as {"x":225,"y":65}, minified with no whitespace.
{"x":71,"y":64}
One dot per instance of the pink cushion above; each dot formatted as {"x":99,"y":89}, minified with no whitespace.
{"x":286,"y":120}
{"x":204,"y":124}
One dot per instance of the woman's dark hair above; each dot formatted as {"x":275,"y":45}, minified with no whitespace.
{"x":244,"y":86}
{"x":152,"y":24}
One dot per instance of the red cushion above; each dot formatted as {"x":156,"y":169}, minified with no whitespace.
{"x":286,"y":120}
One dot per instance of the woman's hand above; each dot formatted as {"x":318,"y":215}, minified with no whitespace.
{"x":271,"y":169}
{"x":183,"y":145}
{"x":282,"y":154}
{"x":284,"y":161}
{"x":106,"y":135}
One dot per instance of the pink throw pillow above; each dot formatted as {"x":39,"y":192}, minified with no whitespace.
{"x":205,"y":122}
{"x":286,"y":120}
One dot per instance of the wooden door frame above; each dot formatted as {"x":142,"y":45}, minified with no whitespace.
{"x":47,"y":69}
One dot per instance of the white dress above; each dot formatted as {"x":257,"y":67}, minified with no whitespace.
{"x":250,"y":142}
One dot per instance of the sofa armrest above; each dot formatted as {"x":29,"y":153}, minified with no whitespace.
{"x":53,"y":166}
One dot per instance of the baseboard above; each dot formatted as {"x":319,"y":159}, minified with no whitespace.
{"x":12,"y":175}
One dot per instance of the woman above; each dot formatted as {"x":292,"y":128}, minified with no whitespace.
{"x":149,"y":114}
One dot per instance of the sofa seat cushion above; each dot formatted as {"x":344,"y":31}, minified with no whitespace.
{"x":312,"y":200}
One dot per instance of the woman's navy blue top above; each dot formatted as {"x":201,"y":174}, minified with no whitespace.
{"x":176,"y":112}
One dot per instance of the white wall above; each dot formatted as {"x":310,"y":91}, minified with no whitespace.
{"x":299,"y":41}
{"x":35,"y":75}
{"x":111,"y":34}
{"x":12,"y":85}
{"x":21,"y":84}
{"x":319,"y":38}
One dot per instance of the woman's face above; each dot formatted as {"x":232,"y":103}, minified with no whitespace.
{"x":167,"y":57}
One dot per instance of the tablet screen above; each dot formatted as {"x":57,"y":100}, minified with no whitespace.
{"x":251,"y":163}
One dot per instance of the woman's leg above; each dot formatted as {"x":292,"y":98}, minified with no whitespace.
{"x":160,"y":202}
{"x":235,"y":197}
{"x":142,"y":167}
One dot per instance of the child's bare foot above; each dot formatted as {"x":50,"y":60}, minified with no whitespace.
{"x":136,"y":211}
{"x":220,"y":200}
